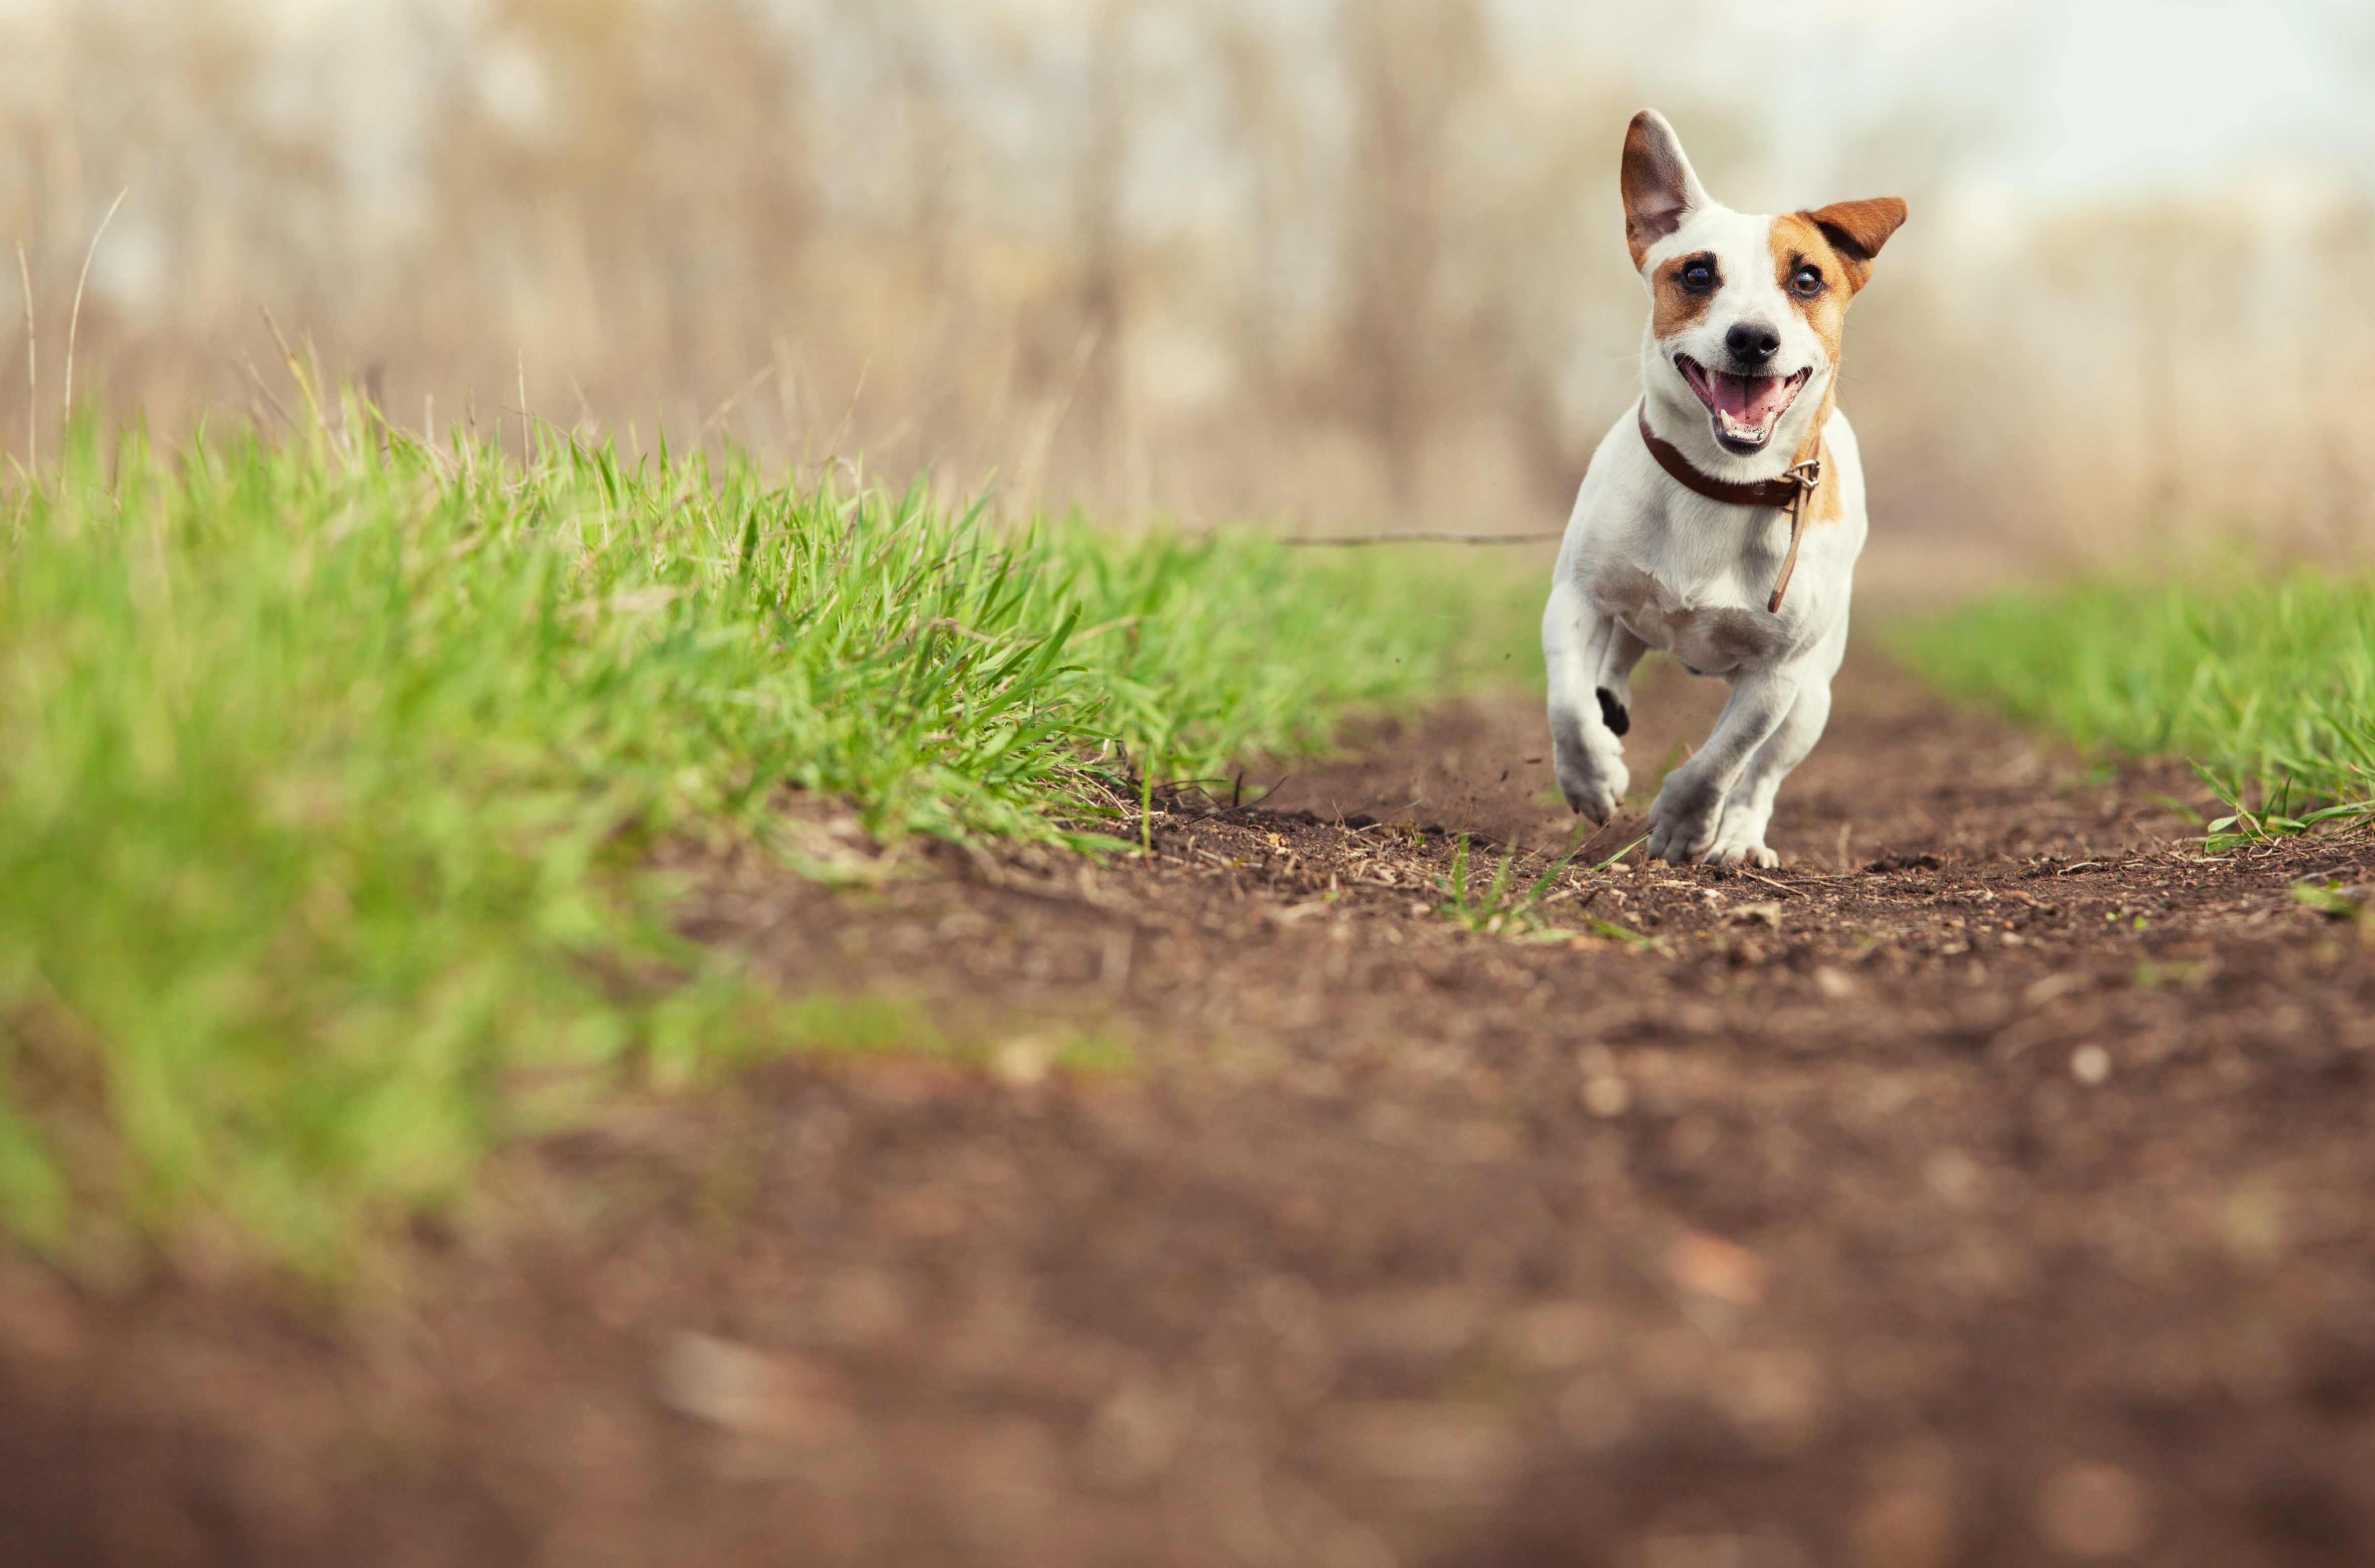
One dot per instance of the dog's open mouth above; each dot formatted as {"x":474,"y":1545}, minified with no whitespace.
{"x":1743,"y":408}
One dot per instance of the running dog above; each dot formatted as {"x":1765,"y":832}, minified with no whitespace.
{"x":1721,"y":518}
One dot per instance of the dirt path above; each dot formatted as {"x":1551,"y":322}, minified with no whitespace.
{"x":1990,"y":1186}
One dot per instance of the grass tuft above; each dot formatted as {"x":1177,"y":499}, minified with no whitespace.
{"x":1505,"y":907}
{"x":331,"y":772}
{"x":2268,"y":686}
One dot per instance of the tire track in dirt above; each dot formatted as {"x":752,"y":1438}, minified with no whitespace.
{"x":1989,"y":1186}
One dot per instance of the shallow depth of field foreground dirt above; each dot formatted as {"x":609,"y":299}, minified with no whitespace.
{"x":1989,"y":1186}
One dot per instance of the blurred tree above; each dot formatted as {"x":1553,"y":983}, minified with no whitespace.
{"x":1414,"y":67}
{"x":625,"y":186}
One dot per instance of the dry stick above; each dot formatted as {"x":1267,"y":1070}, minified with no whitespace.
{"x":1031,"y":474}
{"x":1426,"y":535}
{"x":753,"y":384}
{"x":74,"y":321}
{"x":32,"y":365}
{"x":255,"y":382}
{"x":1769,"y":882}
{"x":787,"y":392}
{"x":848,"y":414}
{"x":297,"y":371}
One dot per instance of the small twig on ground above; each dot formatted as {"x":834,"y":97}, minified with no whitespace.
{"x":1770,"y":882}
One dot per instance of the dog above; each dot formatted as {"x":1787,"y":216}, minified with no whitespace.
{"x":1720,"y":519}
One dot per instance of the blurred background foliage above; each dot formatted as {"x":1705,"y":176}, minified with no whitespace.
{"x":1330,"y":263}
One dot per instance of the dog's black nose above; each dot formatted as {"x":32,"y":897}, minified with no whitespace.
{"x":1752,"y":342}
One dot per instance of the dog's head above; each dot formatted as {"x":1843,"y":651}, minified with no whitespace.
{"x":1745,"y":312}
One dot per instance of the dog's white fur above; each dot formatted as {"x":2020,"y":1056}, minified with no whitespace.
{"x":1646,"y":563}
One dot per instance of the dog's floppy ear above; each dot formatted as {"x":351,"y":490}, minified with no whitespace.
{"x":1858,"y":230}
{"x":1659,"y":187}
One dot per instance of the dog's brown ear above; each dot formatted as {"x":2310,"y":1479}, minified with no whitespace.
{"x":1658,"y":185}
{"x":1858,"y":230}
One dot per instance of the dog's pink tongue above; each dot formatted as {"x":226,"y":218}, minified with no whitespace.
{"x":1748,"y":400}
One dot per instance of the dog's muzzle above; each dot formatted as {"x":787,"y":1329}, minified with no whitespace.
{"x":1742,"y":408}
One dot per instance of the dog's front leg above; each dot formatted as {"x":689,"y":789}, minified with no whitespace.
{"x":1689,"y":808}
{"x":1590,"y":658}
{"x":1749,"y":806}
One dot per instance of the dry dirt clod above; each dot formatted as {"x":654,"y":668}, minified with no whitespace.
{"x":1557,"y":1335}
{"x":1905,"y":1529}
{"x":1836,"y":984}
{"x":1606,"y":1096}
{"x":2093,"y":1511}
{"x":747,"y":1391}
{"x":1463,"y":1454}
{"x":1023,"y":1062}
{"x":1708,"y":1265}
{"x":1136,"y":1435}
{"x":1912,"y":1520}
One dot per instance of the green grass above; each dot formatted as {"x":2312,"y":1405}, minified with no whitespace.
{"x":2268,"y":684}
{"x":331,"y":768}
{"x":1507,"y":906}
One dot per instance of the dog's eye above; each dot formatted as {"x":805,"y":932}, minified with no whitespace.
{"x":1698,"y":274}
{"x":1807,"y":281}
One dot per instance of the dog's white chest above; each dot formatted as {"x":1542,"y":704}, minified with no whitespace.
{"x":1708,"y":638}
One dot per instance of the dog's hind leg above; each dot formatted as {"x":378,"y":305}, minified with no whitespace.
{"x":1748,"y":809}
{"x":1590,"y":660}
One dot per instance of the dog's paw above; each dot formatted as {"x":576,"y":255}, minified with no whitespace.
{"x":1741,"y":840}
{"x":1684,"y":820}
{"x":1594,"y":785}
{"x":1751,"y":853}
{"x":1597,"y":798}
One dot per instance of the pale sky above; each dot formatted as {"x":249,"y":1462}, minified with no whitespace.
{"x":2055,"y":98}
{"x":2061,"y":98}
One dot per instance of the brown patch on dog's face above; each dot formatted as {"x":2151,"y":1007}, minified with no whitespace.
{"x":1684,"y":292}
{"x":1820,"y":261}
{"x":1814,"y":277}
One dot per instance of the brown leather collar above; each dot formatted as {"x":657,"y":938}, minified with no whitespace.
{"x":1791,"y":491}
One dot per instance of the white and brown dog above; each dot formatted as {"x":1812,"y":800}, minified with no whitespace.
{"x":1734,"y":477}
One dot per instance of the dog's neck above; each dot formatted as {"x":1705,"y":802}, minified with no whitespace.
{"x":1678,"y":419}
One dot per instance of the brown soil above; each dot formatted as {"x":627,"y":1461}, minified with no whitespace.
{"x":1989,"y":1186}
